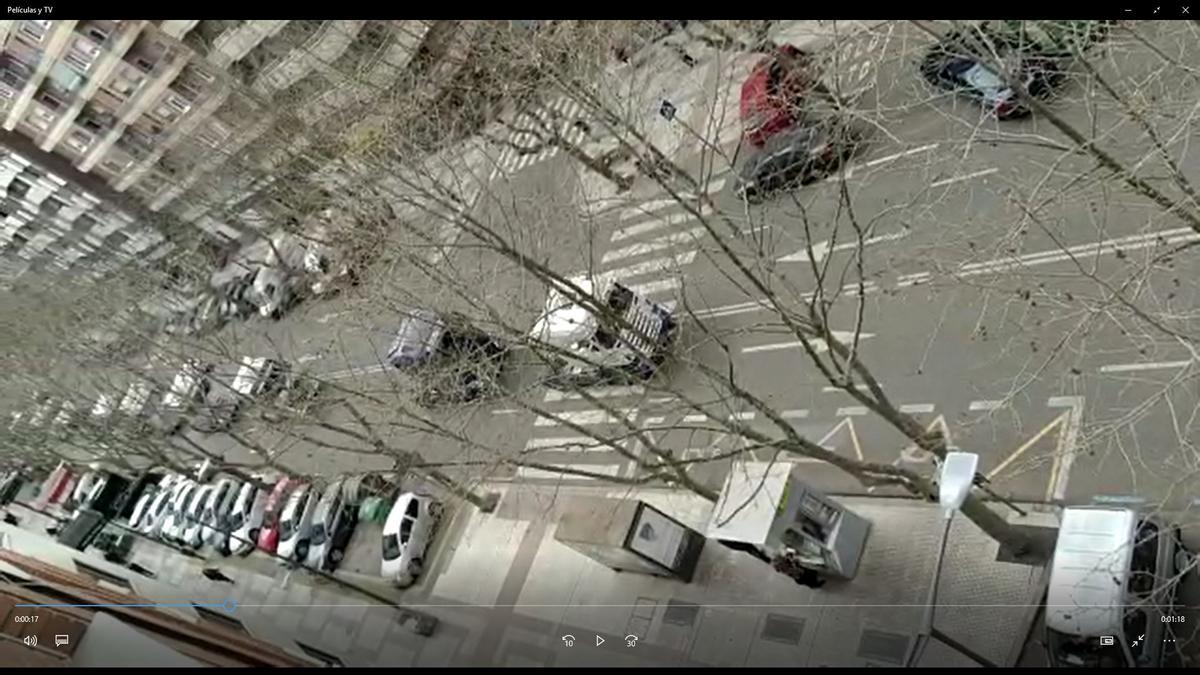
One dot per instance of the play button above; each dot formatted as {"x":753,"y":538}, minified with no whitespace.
{"x":599,"y":640}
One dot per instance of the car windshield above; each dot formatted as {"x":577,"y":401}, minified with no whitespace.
{"x":287,"y":528}
{"x":236,"y":519}
{"x":318,"y":534}
{"x":987,"y":82}
{"x":406,"y":526}
{"x":391,"y":547}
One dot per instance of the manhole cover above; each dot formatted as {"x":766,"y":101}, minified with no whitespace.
{"x":681,"y":613}
{"x":780,"y":628}
{"x":883,"y":646}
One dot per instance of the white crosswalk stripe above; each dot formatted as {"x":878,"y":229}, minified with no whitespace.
{"x":561,"y":117}
{"x":582,"y":418}
{"x":686,"y":237}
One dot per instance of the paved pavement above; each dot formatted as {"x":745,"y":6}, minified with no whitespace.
{"x":509,"y":592}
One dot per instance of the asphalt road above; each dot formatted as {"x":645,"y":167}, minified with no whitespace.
{"x":968,"y":299}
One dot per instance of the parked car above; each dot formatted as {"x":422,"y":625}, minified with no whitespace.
{"x":295,"y":523}
{"x":215,"y":517}
{"x":773,"y":95}
{"x":953,"y":65}
{"x":799,"y":156}
{"x":452,"y":360}
{"x":246,"y":518}
{"x":189,"y":389}
{"x":191,"y":534}
{"x":333,"y":524}
{"x":176,"y":519}
{"x":406,"y":536}
{"x":255,"y":377}
{"x":268,"y":536}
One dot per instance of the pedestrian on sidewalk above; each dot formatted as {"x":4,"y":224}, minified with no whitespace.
{"x":215,"y":574}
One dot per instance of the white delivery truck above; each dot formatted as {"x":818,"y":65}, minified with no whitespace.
{"x":626,"y":341}
{"x":1112,"y":600}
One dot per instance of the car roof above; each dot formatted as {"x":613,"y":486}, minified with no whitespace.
{"x":397,"y":513}
{"x":1090,"y":569}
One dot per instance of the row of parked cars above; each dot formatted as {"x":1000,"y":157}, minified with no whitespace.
{"x":300,"y":522}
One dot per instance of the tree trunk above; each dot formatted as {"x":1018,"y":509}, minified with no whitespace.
{"x":1011,"y":540}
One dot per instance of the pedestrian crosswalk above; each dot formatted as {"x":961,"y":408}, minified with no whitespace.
{"x":530,"y":134}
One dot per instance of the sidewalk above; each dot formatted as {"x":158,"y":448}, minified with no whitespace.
{"x":511,"y":591}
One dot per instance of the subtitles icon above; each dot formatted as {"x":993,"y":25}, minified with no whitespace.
{"x":60,"y":640}
{"x":1107,"y":640}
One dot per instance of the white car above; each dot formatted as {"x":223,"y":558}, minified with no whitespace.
{"x":295,"y":524}
{"x":246,"y":518}
{"x":176,"y":520}
{"x":193,"y":525}
{"x":406,"y":536}
{"x":156,"y":512}
{"x":215,"y":531}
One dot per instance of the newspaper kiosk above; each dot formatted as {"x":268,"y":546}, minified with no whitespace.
{"x":765,"y":508}
{"x":631,"y":536}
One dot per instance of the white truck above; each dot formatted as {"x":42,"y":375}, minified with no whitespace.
{"x":626,"y":342}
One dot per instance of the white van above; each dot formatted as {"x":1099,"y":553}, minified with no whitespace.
{"x":1113,"y":586}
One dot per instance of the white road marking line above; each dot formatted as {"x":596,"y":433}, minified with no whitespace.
{"x":554,"y":395}
{"x":830,"y":389}
{"x":648,"y":208}
{"x":653,"y":287}
{"x":913,"y":408}
{"x":851,"y":410}
{"x":692,"y":419}
{"x":533,"y":473}
{"x":1130,"y":367}
{"x":570,"y":443}
{"x":818,"y":344}
{"x":356,"y":372}
{"x":669,"y":305}
{"x":688,"y":236}
{"x":653,"y":421}
{"x":308,"y":357}
{"x":959,"y":179}
{"x":730,"y":310}
{"x":653,"y":266}
{"x":506,"y":411}
{"x":657,"y":224}
{"x":743,"y":416}
{"x":660,"y":400}
{"x":798,"y":414}
{"x":1064,"y":401}
{"x":913,"y":279}
{"x":822,"y":248}
{"x":1064,"y":454}
{"x":898,"y":155}
{"x":581,"y":417}
{"x":985,"y":405}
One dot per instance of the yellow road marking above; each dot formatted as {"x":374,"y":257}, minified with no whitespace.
{"x":1055,"y":423}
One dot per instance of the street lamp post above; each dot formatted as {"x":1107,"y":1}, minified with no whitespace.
{"x":955,"y":479}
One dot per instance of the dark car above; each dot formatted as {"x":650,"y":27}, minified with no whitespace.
{"x":951,"y":65}
{"x":455,"y":361}
{"x":799,"y":156}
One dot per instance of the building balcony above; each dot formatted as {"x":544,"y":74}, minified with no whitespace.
{"x":116,"y":161}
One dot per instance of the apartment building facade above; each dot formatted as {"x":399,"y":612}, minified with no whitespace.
{"x":154,"y":110}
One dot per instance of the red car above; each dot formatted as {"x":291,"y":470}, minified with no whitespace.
{"x":770,"y":97}
{"x":268,"y":536}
